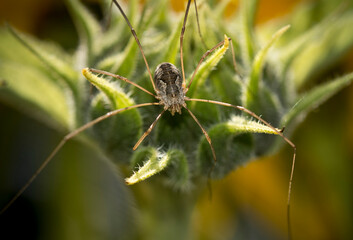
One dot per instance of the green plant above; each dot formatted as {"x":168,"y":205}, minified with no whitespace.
{"x":270,"y":80}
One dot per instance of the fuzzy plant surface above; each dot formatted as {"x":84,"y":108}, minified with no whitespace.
{"x":277,"y":64}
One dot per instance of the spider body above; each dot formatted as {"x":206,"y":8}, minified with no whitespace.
{"x":169,"y":87}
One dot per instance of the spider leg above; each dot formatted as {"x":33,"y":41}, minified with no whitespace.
{"x":62,"y":143}
{"x":121,"y":78}
{"x":198,"y":25}
{"x":149,"y":130}
{"x":137,"y":41}
{"x":206,"y":135}
{"x":208,"y":52}
{"x":278,"y":131}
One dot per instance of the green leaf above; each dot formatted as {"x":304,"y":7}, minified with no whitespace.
{"x":334,"y":41}
{"x":220,"y":8}
{"x":295,"y":45}
{"x":171,"y":49}
{"x":248,"y":12}
{"x":153,"y":14}
{"x":55,"y":63}
{"x":242,"y":124}
{"x":156,"y":163}
{"x":116,"y":96}
{"x":128,"y":60}
{"x":87,"y":27}
{"x":316,"y":96}
{"x":228,"y":87}
{"x":251,"y":95}
{"x":31,"y":91}
{"x":178,"y":175}
{"x":133,"y":12}
{"x":206,"y":67}
{"x":124,"y":128}
{"x":232,"y":143}
{"x":13,"y":50}
{"x":123,"y":63}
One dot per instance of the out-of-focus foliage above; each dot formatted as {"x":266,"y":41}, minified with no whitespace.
{"x":277,"y":77}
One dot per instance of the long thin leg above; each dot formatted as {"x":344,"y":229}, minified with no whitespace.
{"x":64,"y":140}
{"x":205,"y":133}
{"x":149,"y":130}
{"x":198,"y":25}
{"x":208,"y":52}
{"x":181,"y":42}
{"x":278,"y":131}
{"x":121,"y":78}
{"x":182,"y":39}
{"x":137,"y":41}
{"x":212,"y":149}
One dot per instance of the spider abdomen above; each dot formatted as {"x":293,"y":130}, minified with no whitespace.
{"x":170,"y":92}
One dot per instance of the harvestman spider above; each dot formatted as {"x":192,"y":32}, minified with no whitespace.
{"x":170,"y":88}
